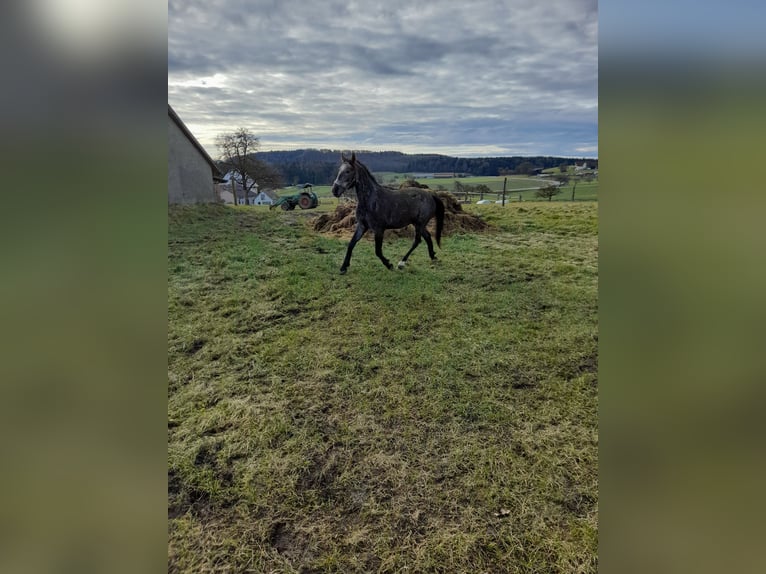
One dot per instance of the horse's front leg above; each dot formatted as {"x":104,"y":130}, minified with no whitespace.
{"x":415,"y":243}
{"x":379,"y":249}
{"x":360,"y":230}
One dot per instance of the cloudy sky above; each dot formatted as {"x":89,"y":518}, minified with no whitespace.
{"x":462,"y":78}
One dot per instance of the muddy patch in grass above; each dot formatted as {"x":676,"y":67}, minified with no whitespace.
{"x":322,"y":474}
{"x":182,"y":497}
{"x":194,"y":346}
{"x":293,"y":544}
{"x":579,"y":504}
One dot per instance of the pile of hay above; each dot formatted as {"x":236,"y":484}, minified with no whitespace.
{"x":343,"y":220}
{"x":412,"y":183}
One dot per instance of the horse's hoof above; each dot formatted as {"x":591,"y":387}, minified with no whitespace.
{"x":401,"y":265}
{"x":343,"y":270}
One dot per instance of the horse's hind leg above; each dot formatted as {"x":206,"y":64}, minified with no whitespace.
{"x":415,"y":243}
{"x":427,"y":237}
{"x":379,"y":249}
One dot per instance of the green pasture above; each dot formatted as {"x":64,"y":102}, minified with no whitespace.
{"x":442,"y":418}
{"x":585,"y":191}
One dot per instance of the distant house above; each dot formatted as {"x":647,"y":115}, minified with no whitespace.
{"x":254,"y":195}
{"x":233,"y":178}
{"x":192,"y":173}
{"x":250,"y":199}
{"x":265,"y":197}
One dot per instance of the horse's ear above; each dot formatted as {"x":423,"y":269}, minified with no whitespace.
{"x":343,"y":158}
{"x":353,"y":157}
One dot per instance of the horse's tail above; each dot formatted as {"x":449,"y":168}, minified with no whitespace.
{"x":439,"y":220}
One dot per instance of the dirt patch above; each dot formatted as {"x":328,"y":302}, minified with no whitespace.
{"x":343,"y":220}
{"x":579,"y":504}
{"x":182,"y":498}
{"x":322,"y":472}
{"x":194,"y":346}
{"x":280,"y":537}
{"x":295,"y":545}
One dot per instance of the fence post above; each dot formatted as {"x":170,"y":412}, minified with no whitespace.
{"x":505,"y":181}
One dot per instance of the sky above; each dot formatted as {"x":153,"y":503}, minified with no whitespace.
{"x":461,"y":78}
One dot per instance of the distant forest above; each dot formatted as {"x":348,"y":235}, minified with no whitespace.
{"x":319,"y":166}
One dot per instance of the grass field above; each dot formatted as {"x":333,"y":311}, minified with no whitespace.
{"x":437,"y":419}
{"x":585,"y":191}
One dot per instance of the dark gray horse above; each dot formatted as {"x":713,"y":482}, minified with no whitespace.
{"x":379,"y":209}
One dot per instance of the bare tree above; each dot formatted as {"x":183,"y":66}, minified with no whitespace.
{"x":548,"y":191}
{"x":460,"y":189}
{"x":483,"y":189}
{"x":563,"y":179}
{"x":267,"y":176}
{"x":575,"y":179}
{"x":238,"y":155}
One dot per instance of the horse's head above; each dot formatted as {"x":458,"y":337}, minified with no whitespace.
{"x":346,"y":177}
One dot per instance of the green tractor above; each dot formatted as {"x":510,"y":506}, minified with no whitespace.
{"x":306,"y":199}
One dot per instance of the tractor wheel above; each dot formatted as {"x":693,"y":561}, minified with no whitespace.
{"x":285,"y":206}
{"x":305,"y":201}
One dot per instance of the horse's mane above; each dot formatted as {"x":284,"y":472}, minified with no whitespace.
{"x":364,"y":178}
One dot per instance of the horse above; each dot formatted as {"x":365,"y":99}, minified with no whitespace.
{"x":379,"y":209}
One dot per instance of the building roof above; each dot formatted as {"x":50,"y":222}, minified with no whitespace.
{"x":182,"y":126}
{"x":255,"y":193}
{"x":233,"y":175}
{"x":270,"y":193}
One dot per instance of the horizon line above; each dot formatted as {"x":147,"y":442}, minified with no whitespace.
{"x":349,"y":150}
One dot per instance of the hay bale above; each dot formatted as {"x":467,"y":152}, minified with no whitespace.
{"x":451,"y":203}
{"x":409,"y":183}
{"x":343,"y":218}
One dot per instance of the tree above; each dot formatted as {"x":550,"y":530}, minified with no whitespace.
{"x":563,"y":179}
{"x":265,"y":174}
{"x":525,"y":168}
{"x":548,"y":191}
{"x":238,"y":156}
{"x":483,"y":189}
{"x":574,"y":185}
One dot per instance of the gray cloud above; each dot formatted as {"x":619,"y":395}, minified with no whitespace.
{"x":437,"y":75}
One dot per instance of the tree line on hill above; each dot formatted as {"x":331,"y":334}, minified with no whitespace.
{"x":319,"y":166}
{"x":240,"y":155}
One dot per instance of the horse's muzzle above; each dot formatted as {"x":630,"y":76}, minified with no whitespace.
{"x":337,"y":190}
